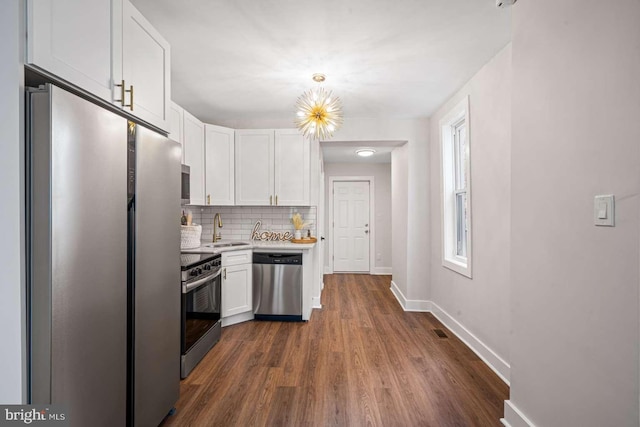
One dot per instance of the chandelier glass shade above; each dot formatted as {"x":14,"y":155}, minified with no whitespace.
{"x":319,"y":113}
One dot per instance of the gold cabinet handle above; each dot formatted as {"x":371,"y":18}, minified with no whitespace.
{"x":208,"y":199}
{"x":276,"y":200}
{"x":130,"y":91}
{"x":122,"y":91}
{"x":271,"y":200}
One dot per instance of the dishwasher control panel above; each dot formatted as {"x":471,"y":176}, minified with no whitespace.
{"x":277,"y":258}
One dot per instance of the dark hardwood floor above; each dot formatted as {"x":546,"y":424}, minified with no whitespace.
{"x":361,"y":360}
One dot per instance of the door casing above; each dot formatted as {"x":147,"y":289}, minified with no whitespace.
{"x":372,"y":216}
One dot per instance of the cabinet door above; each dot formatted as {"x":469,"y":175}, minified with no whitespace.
{"x":176,"y":124}
{"x":76,"y":41}
{"x":193,"y":148}
{"x":254,"y":167}
{"x":291,"y":168}
{"x":219,"y":165}
{"x":146,"y":68}
{"x":237,"y":289}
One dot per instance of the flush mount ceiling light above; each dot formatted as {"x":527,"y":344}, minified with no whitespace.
{"x":319,"y":113}
{"x":365,"y":152}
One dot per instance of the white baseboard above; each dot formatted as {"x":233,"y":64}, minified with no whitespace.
{"x":495,"y":362}
{"x":376,"y":271}
{"x":237,"y":318}
{"x":513,"y":417}
{"x":488,"y":356}
{"x":315,"y":302}
{"x":407,"y":304}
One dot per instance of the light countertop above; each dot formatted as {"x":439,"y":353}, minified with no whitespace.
{"x":256,"y":245}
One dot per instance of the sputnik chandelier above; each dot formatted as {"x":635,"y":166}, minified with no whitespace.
{"x":319,"y":113}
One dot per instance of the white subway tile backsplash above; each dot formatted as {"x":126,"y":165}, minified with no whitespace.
{"x":273,"y":215}
{"x":238,"y":221}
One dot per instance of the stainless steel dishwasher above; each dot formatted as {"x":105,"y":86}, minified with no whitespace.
{"x":277,"y":286}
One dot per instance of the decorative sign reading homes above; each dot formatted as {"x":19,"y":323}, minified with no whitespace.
{"x":257,"y":234}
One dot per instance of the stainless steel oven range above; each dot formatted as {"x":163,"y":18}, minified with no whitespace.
{"x":201,"y":304}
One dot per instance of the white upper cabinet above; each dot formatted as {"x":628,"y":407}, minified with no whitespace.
{"x":105,"y":47}
{"x":176,"y":124}
{"x":219,"y":165}
{"x":254,"y":167}
{"x":193,"y":149}
{"x":272,"y":168}
{"x":291,"y":178}
{"x":78,"y":41}
{"x":146,"y":63}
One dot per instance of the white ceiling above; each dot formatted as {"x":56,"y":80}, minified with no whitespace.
{"x":243,"y":62}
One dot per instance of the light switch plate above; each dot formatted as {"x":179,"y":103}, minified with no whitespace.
{"x":604,"y":210}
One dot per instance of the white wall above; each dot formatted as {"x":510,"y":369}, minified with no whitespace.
{"x":416,"y":216}
{"x":12,"y":330}
{"x":381,"y":173}
{"x":399,"y":216}
{"x":480,"y":304}
{"x":576,"y":134}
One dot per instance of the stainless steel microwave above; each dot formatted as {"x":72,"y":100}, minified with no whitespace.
{"x":186,"y":196}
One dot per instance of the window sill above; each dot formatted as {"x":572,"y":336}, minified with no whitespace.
{"x":463,"y":268}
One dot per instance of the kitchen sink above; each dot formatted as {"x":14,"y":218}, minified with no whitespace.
{"x":226,"y":245}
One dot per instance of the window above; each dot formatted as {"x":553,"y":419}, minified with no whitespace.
{"x":456,"y":189}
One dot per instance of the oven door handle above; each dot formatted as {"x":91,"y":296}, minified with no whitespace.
{"x":191,"y":286}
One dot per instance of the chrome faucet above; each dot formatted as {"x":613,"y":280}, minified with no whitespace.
{"x":217,"y":223}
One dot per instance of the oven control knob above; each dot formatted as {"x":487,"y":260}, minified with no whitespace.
{"x":207,"y":267}
{"x":193,"y":272}
{"x":199,"y":271}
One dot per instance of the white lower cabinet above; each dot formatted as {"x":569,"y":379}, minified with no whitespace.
{"x":237,"y":287}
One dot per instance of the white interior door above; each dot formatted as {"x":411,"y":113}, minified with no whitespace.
{"x":351,"y":226}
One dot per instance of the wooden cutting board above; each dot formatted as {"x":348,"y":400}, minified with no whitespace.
{"x":307,"y":240}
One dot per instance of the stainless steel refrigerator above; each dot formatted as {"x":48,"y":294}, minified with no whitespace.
{"x":103,"y":206}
